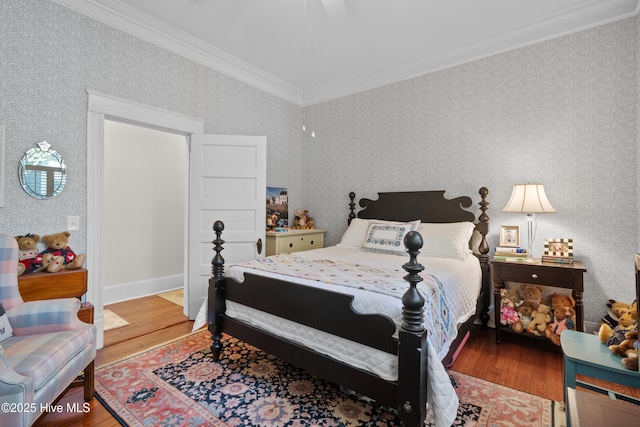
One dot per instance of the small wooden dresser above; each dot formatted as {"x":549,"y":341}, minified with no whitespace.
{"x":63,"y":284}
{"x":294,"y":241}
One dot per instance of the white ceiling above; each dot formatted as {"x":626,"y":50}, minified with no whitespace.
{"x":347,"y":45}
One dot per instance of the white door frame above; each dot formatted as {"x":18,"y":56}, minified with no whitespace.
{"x":103,"y":106}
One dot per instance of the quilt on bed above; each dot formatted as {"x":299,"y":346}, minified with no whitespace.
{"x":438,"y":321}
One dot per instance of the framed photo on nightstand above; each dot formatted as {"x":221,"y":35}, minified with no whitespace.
{"x":558,"y":248}
{"x":510,"y":235}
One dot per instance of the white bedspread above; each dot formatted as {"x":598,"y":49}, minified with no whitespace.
{"x":460,"y":282}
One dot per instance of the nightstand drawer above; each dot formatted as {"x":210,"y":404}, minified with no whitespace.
{"x":549,"y":276}
{"x":294,"y":241}
{"x":299,"y":243}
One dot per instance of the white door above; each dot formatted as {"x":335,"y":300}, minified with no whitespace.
{"x":227,"y":182}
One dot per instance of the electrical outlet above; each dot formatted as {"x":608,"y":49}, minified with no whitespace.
{"x":73,"y":223}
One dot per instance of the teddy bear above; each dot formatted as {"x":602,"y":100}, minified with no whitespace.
{"x":524,"y":312}
{"x":631,"y":361}
{"x":562,"y":320}
{"x":58,"y":255}
{"x":302,"y":220}
{"x":628,"y":349}
{"x":27,"y":252}
{"x":614,"y":336}
{"x":634,"y":310}
{"x":561,"y":300}
{"x":616,"y":309}
{"x":532,"y":294}
{"x":540,"y":318}
{"x":627,"y":345}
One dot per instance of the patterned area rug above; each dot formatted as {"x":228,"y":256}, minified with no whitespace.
{"x":112,"y":320}
{"x":177,"y":384}
{"x":176,"y":296}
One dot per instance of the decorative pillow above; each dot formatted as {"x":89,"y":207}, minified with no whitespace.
{"x":447,"y":240}
{"x":6,"y":330}
{"x":388,"y":238}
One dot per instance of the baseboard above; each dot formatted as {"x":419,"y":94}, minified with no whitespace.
{"x":143,"y":288}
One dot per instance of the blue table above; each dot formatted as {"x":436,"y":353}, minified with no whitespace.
{"x":584,"y":354}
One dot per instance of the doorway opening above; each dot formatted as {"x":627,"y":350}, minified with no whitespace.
{"x":145,"y":200}
{"x":103,"y":107}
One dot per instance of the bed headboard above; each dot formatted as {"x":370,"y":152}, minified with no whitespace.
{"x":428,"y":206}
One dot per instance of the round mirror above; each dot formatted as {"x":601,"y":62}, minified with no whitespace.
{"x":42,"y":172}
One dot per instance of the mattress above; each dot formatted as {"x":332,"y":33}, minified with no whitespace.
{"x":460,"y":282}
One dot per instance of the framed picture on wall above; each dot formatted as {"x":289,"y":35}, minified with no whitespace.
{"x":510,"y":235}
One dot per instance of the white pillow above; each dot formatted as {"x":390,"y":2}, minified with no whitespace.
{"x":355,"y":234}
{"x":388,"y":238}
{"x":446,"y":240}
{"x":6,"y":331}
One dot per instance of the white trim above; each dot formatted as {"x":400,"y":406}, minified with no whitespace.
{"x":101,"y":106}
{"x":578,"y":17}
{"x":131,"y":111}
{"x":125,"y":18}
{"x":559,"y":24}
{"x":142,"y":288}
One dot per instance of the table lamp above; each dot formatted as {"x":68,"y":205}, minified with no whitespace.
{"x":529,"y":199}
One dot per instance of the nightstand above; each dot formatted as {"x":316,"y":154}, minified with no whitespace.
{"x":568,"y":276}
{"x":62,"y":284}
{"x":285,"y":242}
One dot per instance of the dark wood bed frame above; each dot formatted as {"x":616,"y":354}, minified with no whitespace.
{"x":308,"y":305}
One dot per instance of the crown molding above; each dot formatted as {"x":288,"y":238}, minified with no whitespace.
{"x":570,"y":20}
{"x":122,"y":17}
{"x":580,"y":16}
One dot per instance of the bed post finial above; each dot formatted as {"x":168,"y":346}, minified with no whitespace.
{"x":352,"y":207}
{"x":412,"y":364}
{"x":216,"y":300}
{"x":483,"y":255}
{"x":412,"y":300}
{"x":217,"y":263}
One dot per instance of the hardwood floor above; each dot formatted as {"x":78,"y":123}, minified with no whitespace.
{"x":519,"y":364}
{"x":152,"y":321}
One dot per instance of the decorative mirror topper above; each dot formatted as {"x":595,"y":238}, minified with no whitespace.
{"x":42,"y":172}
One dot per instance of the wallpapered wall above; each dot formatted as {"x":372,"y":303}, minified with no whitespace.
{"x":51,"y":56}
{"x":561,"y":112}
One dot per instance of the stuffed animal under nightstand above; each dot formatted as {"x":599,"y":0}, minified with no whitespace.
{"x":540,"y":319}
{"x":561,"y":321}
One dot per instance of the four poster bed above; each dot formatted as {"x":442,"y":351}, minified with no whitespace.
{"x":368,"y":334}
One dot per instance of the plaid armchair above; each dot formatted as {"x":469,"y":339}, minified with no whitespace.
{"x":47,"y":351}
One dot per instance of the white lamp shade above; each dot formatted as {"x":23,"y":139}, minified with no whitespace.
{"x":528,"y":198}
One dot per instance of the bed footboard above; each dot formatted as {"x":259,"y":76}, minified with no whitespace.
{"x":308,"y":305}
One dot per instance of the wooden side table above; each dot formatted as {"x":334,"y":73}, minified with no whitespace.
{"x":63,"y":284}
{"x":568,"y":276}
{"x":293,"y":240}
